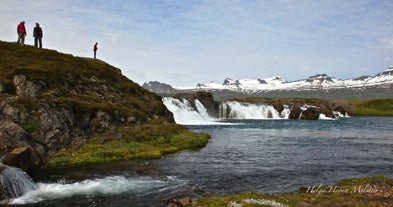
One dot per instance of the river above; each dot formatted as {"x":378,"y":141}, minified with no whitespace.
{"x":242,"y":155}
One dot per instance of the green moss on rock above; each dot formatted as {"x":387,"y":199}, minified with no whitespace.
{"x":150,"y":141}
{"x":359,"y":192}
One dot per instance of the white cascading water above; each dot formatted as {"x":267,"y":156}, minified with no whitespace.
{"x":15,"y":182}
{"x":184,"y":113}
{"x":239,"y":110}
{"x":110,"y":185}
{"x":19,"y":188}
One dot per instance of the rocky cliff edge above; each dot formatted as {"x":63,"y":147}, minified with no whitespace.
{"x":53,"y":102}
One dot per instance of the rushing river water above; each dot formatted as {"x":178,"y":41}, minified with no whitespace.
{"x":242,"y":155}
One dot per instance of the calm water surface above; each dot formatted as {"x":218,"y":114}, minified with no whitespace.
{"x":256,"y":155}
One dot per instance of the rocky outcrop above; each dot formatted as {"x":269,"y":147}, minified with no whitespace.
{"x":25,"y":88}
{"x":296,"y":111}
{"x":24,"y":158}
{"x":48,"y":126}
{"x":310,"y":113}
{"x":60,"y":102}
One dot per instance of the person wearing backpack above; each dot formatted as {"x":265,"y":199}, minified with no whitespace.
{"x":21,"y":30}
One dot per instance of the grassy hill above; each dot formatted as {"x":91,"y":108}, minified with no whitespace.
{"x":63,"y":106}
{"x":372,"y":107}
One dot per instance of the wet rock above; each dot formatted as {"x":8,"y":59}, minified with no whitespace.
{"x":311,"y":113}
{"x":148,"y":170}
{"x":327,"y":112}
{"x":24,"y":158}
{"x":185,"y":201}
{"x":340,"y":109}
{"x":278,"y":106}
{"x":179,"y":201}
{"x":295,"y":112}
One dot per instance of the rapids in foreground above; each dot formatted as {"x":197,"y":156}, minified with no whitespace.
{"x":246,"y":155}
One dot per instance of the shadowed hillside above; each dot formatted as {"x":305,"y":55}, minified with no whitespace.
{"x":56,"y":103}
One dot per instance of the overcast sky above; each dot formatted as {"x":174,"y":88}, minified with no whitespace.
{"x":185,"y":42}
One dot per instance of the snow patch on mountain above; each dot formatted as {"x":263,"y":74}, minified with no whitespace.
{"x":315,"y":82}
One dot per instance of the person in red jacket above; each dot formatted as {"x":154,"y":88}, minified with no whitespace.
{"x":95,"y":48}
{"x":21,"y":30}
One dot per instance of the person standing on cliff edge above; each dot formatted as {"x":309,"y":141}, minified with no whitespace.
{"x":21,"y":30}
{"x":37,"y":34}
{"x":95,"y":48}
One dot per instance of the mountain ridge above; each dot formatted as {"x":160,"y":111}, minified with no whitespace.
{"x":315,"y":86}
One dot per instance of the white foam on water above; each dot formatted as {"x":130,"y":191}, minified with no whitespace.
{"x":15,"y":182}
{"x":324,"y":117}
{"x":104,"y":186}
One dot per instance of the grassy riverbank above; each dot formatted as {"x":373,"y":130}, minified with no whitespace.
{"x":146,"y":141}
{"x":356,"y":192}
{"x":78,"y":111}
{"x":372,"y":107}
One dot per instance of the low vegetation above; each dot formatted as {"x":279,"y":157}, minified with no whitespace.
{"x":147,"y":141}
{"x":356,"y":192}
{"x":372,"y":107}
{"x":80,"y":111}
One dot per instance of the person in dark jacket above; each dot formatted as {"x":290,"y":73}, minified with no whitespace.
{"x":95,"y":48}
{"x":21,"y":30}
{"x":38,"y":34}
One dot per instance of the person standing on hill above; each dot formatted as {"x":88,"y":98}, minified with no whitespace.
{"x":95,"y":48}
{"x":37,"y":33}
{"x":21,"y":30}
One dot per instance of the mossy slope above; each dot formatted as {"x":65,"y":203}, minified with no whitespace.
{"x":81,"y":110}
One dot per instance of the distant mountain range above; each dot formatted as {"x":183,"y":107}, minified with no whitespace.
{"x":316,"y":86}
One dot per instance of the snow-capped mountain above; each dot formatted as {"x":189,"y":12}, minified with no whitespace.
{"x":315,"y":82}
{"x":158,"y":87}
{"x":316,"y":86}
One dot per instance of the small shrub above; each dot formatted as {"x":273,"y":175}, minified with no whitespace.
{"x":31,"y":126}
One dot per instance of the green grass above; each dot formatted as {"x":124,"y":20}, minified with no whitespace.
{"x":139,"y":125}
{"x":151,"y":141}
{"x":74,"y":78}
{"x":373,"y":107}
{"x":378,"y":192}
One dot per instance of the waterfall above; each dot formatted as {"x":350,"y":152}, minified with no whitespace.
{"x":240,"y":110}
{"x":185,"y":113}
{"x":14,"y":182}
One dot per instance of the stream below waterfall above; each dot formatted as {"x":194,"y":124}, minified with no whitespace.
{"x":242,"y":155}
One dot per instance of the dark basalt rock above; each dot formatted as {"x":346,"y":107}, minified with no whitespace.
{"x":295,"y":112}
{"x":24,"y":158}
{"x":310,"y":113}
